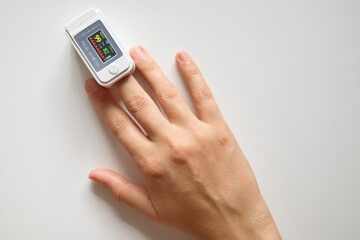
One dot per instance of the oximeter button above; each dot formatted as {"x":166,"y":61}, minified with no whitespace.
{"x":113,"y":68}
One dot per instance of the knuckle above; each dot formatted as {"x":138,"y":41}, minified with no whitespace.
{"x":207,"y":136}
{"x":205,"y":93}
{"x":202,"y":138}
{"x":118,"y":195}
{"x":154,"y":169}
{"x":193,"y":72}
{"x":117,"y":126}
{"x":180,"y":151}
{"x":149,"y":66}
{"x":136,"y":104}
{"x":168,"y":94}
{"x":223,"y":138}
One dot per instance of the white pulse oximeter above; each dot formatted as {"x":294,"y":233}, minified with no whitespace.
{"x":99,"y":48}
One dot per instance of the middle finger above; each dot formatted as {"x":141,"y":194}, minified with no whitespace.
{"x":169,"y":97}
{"x":141,"y":106}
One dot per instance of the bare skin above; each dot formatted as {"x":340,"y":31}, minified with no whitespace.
{"x":197,"y":178}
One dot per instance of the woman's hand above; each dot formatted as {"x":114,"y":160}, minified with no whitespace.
{"x":198,"y":180}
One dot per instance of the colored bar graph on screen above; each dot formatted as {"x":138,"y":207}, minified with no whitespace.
{"x":101,"y":45}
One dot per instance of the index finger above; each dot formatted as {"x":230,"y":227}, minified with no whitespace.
{"x":124,"y":129}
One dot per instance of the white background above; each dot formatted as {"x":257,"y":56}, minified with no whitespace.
{"x":285,"y":73}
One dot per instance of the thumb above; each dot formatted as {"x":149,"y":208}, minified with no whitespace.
{"x":131,"y":194}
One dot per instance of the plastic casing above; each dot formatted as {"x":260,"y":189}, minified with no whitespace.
{"x":104,"y":77}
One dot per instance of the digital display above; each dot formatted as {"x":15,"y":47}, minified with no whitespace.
{"x":102,"y":46}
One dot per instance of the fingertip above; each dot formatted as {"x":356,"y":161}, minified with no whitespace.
{"x":100,"y":175}
{"x":105,"y":176}
{"x":135,"y":47}
{"x":93,"y":176}
{"x":137,"y":52}
{"x":183,"y":57}
{"x":91,"y":85}
{"x":131,"y":194}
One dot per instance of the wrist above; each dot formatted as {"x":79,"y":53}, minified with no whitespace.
{"x":255,"y":225}
{"x":259,"y":226}
{"x":262,"y":227}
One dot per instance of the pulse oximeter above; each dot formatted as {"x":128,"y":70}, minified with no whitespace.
{"x":99,"y":48}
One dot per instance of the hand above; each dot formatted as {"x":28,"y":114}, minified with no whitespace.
{"x":198,"y":180}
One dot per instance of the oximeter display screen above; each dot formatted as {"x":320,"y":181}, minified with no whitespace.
{"x":102,"y":46}
{"x":97,"y":43}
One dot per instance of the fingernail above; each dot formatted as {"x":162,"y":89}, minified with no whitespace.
{"x":137,"y":53}
{"x":91,"y":85}
{"x":184,"y":56}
